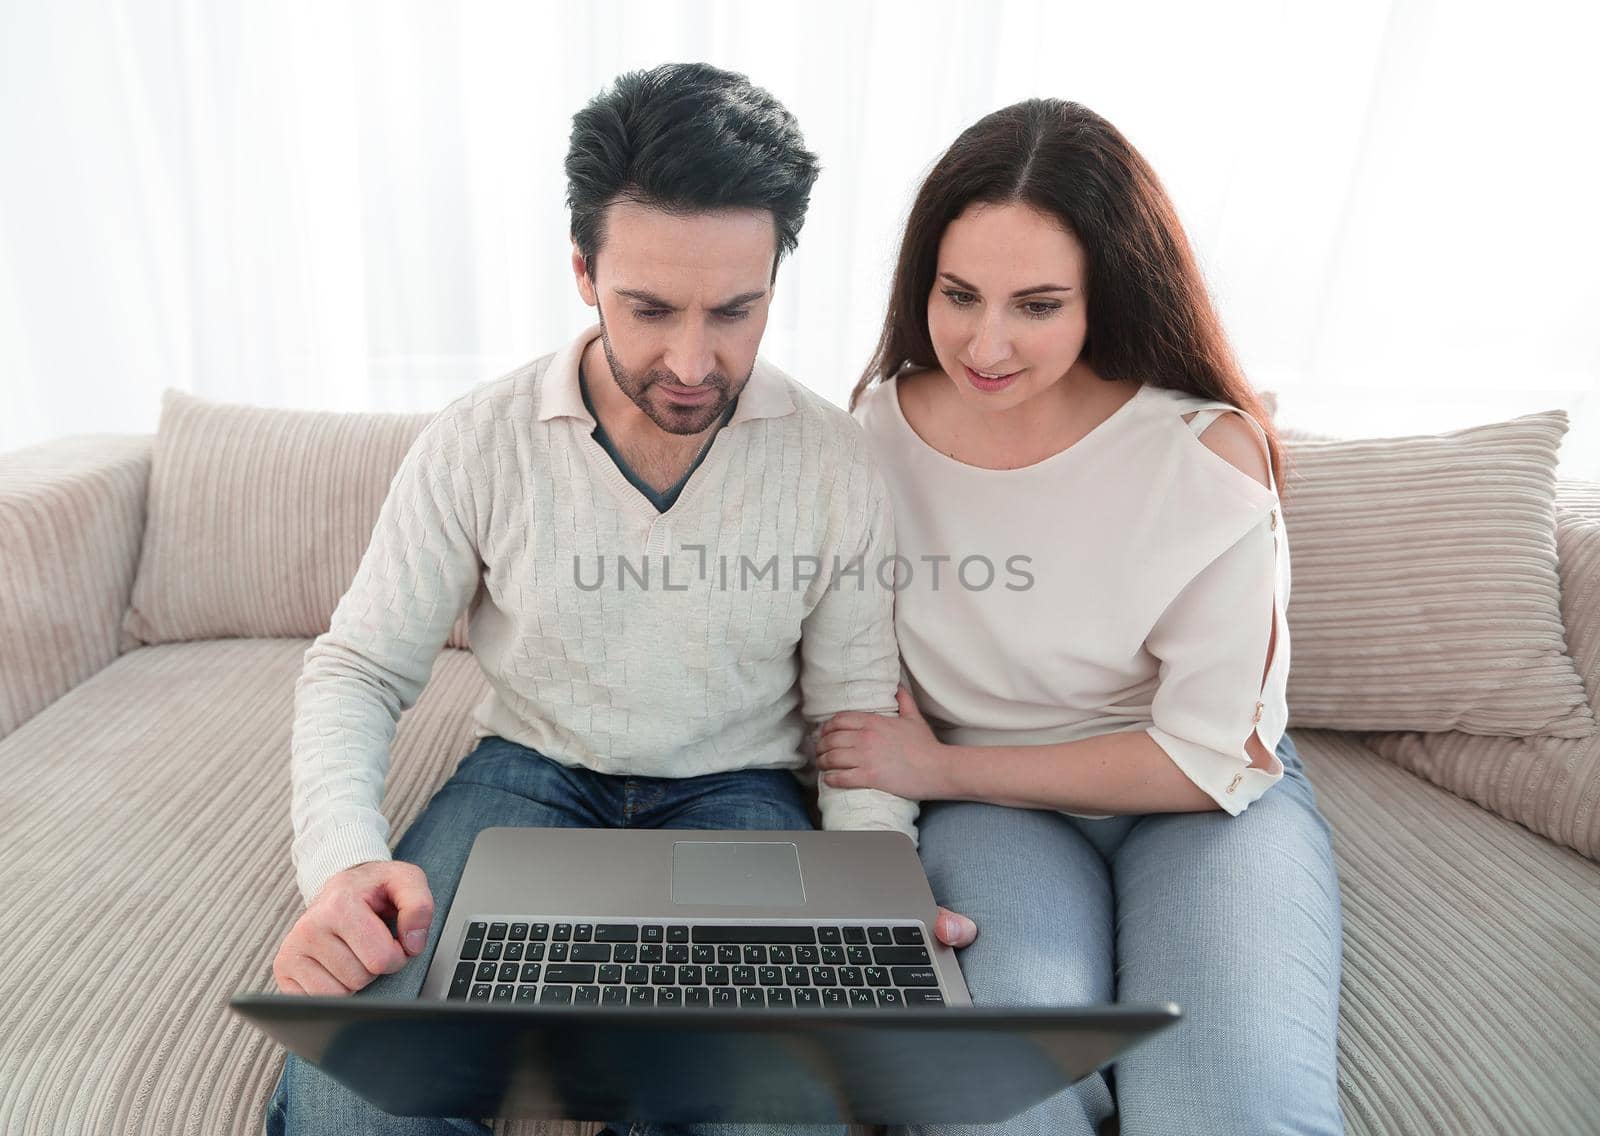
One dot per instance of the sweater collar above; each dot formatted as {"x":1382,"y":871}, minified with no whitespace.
{"x":766,"y":395}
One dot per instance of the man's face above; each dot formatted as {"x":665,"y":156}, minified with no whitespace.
{"x":683,"y":300}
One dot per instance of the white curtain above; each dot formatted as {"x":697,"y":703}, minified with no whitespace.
{"x":360,"y":206}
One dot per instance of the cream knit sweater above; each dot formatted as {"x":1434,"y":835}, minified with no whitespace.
{"x":708,"y":638}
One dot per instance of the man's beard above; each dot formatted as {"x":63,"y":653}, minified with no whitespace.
{"x":670,"y":416}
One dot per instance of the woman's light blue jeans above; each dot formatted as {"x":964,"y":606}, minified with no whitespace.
{"x":1236,"y":919}
{"x":502,"y":783}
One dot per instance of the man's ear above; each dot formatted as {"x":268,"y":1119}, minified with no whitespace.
{"x":580,"y":272}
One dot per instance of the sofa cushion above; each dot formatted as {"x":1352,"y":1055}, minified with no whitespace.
{"x":1471,"y":957}
{"x":257,"y":518}
{"x":1426,"y":595}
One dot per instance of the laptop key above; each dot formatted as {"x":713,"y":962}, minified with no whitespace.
{"x":625,"y":952}
{"x":823,"y":976}
{"x":901,"y":956}
{"x":527,"y":994}
{"x":781,"y":956}
{"x":752,"y":997}
{"x":755,"y":955}
{"x":530,"y":972}
{"x":653,"y":933}
{"x":481,"y":992}
{"x":609,"y":973}
{"x":859,"y":956}
{"x":889,"y":996}
{"x":497,"y":930}
{"x":477,"y":930}
{"x":669,"y":996}
{"x":586,"y":996}
{"x":569,"y":972}
{"x":590,"y":952}
{"x":807,"y":956}
{"x":555,"y":996}
{"x":636,"y":974}
{"x":769,"y":976}
{"x":641,"y":996}
{"x":807,"y":999}
{"x":877,"y":976}
{"x":461,"y":982}
{"x":614,"y":996}
{"x":514,"y":951}
{"x":677,"y":934}
{"x":744,"y":976}
{"x":689,"y":975}
{"x":650,"y":952}
{"x":716,"y":976}
{"x":861,"y":996}
{"x":518,"y":931}
{"x":828,"y":935}
{"x":754,"y":934}
{"x":780,"y":996}
{"x":727,"y":954}
{"x":855,"y":934}
{"x":724,"y":997}
{"x":914,"y":976}
{"x":663,"y":975}
{"x":833,"y":997}
{"x":504,"y":993}
{"x":678,"y":953}
{"x":697,"y":996}
{"x":850,"y":976}
{"x":703,"y":954}
{"x":539,"y":931}
{"x":797,"y":976}
{"x":491,"y":949}
{"x":907,"y":935}
{"x":535,"y":952}
{"x":917,"y":997}
{"x":582,"y":932}
{"x":487,"y":971}
{"x":508,"y":972}
{"x":470,"y":948}
{"x":616,"y":933}
{"x":833,"y":956}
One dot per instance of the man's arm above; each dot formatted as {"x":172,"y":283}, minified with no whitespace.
{"x":849,"y":657}
{"x":420,"y":570}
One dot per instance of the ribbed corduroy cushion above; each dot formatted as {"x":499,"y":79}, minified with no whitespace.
{"x":1425,"y":592}
{"x":258,"y":518}
{"x":1471,"y":958}
{"x":145,"y":865}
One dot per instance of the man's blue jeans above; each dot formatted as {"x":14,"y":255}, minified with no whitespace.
{"x":502,"y":783}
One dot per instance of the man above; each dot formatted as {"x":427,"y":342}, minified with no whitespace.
{"x":671,"y":550}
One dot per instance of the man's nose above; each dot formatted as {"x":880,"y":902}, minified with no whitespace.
{"x":689,"y":354}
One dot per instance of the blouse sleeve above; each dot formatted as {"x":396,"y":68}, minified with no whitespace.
{"x":1211,"y":643}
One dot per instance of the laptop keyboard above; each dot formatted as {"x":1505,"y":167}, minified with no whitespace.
{"x":669,"y":965}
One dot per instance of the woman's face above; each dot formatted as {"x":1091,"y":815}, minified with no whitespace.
{"x":1007,"y":314}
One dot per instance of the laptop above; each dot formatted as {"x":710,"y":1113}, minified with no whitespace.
{"x":684,"y":975}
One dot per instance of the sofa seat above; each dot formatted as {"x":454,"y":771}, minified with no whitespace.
{"x":151,"y":868}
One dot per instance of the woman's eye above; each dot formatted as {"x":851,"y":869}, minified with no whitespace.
{"x":1040,"y":309}
{"x":958,"y":298}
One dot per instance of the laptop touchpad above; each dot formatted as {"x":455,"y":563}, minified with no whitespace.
{"x":736,"y":873}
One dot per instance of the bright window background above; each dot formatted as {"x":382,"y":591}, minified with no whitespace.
{"x":361,"y":206}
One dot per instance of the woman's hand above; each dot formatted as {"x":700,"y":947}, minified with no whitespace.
{"x":900,"y":755}
{"x":954,"y":930}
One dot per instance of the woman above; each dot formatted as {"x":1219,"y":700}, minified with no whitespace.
{"x":1091,"y":593}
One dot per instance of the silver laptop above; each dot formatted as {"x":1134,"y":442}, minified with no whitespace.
{"x":669,"y":918}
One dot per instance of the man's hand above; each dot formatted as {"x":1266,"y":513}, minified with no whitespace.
{"x":857,"y":750}
{"x":954,"y":930}
{"x":341,"y":943}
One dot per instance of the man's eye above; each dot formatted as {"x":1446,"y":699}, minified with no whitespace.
{"x":959,"y":298}
{"x":648,"y":314}
{"x":735,"y":315}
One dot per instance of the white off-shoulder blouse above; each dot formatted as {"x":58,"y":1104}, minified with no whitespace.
{"x":1128,"y":582}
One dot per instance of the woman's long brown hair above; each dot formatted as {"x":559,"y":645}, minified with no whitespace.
{"x":1150,"y":316}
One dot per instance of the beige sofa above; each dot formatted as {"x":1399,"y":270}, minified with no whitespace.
{"x":144,"y":805}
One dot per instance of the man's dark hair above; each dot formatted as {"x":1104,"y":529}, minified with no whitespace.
{"x":686,"y":138}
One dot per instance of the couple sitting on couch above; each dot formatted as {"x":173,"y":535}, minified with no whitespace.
{"x":1054,"y":519}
